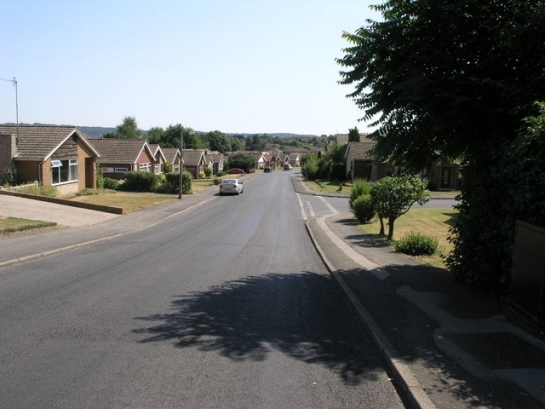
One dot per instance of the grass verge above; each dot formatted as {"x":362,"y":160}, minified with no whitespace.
{"x":433,"y":222}
{"x":130,"y":202}
{"x":13,"y":224}
{"x":329,"y":186}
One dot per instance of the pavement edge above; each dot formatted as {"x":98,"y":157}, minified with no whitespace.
{"x":412,"y":391}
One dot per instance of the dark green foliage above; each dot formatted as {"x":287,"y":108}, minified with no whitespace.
{"x":207,"y":173}
{"x":127,"y":130}
{"x":455,"y":79}
{"x":360,"y":187}
{"x":363,"y":209}
{"x":8,"y":176}
{"x":415,"y":243}
{"x":354,"y":135}
{"x":173,"y":182}
{"x":319,"y":166}
{"x":309,"y":167}
{"x":242,"y":161}
{"x":510,"y":186}
{"x":393,"y":196}
{"x":139,"y":182}
{"x":109,"y":183}
{"x":217,"y":141}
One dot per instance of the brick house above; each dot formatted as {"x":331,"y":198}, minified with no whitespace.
{"x":58,"y":156}
{"x":119,"y":156}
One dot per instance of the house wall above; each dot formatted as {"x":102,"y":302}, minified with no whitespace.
{"x":362,"y":169}
{"x":86,"y":168}
{"x":444,"y":177}
{"x":72,"y":148}
{"x":8,"y":148}
{"x":28,"y":171}
{"x":145,"y":157}
{"x":114,"y":166}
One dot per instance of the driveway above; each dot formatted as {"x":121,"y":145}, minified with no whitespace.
{"x":13,"y":206}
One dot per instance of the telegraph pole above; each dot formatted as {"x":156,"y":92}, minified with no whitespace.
{"x":14,"y":82}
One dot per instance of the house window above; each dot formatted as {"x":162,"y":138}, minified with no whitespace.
{"x":157,"y":168}
{"x":121,"y":170}
{"x":144,"y":167}
{"x":63,"y":171}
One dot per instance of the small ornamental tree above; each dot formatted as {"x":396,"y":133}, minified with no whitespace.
{"x":393,"y":196}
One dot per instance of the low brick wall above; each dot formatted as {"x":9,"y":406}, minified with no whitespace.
{"x":66,"y":202}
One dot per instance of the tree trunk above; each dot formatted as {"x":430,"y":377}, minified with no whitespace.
{"x":391,"y":228}
{"x":381,"y":226}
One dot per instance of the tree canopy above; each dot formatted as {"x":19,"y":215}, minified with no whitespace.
{"x":127,"y":130}
{"x":393,"y":196}
{"x":242,"y":161}
{"x":446,"y":78}
{"x":454,"y":79}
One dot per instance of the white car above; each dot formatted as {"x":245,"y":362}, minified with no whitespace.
{"x":231,"y":186}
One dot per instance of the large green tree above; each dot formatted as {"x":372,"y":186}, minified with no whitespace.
{"x":218,"y":141}
{"x":452,"y":79}
{"x":242,"y":161}
{"x":129,"y":129}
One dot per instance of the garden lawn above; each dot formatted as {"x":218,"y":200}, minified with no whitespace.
{"x":129,"y":202}
{"x":14,"y":224}
{"x":328,"y":186}
{"x":432,"y":222}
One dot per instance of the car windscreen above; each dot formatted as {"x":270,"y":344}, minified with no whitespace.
{"x":233,"y":181}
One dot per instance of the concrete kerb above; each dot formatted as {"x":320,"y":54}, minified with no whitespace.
{"x":403,"y":377}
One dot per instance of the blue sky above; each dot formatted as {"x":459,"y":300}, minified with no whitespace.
{"x":236,"y":66}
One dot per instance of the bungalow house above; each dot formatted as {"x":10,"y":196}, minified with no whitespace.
{"x":359,"y":161}
{"x":269,"y":160}
{"x":294,"y":159}
{"x":119,"y":156}
{"x":444,"y":176}
{"x":259,"y":159}
{"x":160,"y":159}
{"x":194,"y":161}
{"x":217,"y":160}
{"x":59,"y":156}
{"x":360,"y":164}
{"x":173,"y":156}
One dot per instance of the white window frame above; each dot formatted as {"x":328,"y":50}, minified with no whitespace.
{"x":64,"y":171}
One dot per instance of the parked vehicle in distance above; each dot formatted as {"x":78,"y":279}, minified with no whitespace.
{"x":267,"y":169}
{"x":231,"y":186}
{"x":235,"y":171}
{"x":287,"y":166}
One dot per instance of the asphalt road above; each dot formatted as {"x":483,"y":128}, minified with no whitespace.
{"x":224,"y":305}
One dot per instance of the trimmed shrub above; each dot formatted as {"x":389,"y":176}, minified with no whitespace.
{"x":360,"y":187}
{"x":363,"y":209}
{"x":207,"y":173}
{"x":139,"y":182}
{"x":173,"y":181}
{"x":415,"y":243}
{"x":216,"y":181}
{"x":109,"y":183}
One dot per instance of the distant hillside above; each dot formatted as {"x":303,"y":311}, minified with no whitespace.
{"x":96,"y":132}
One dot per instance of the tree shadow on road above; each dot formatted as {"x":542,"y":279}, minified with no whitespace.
{"x":302,"y":315}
